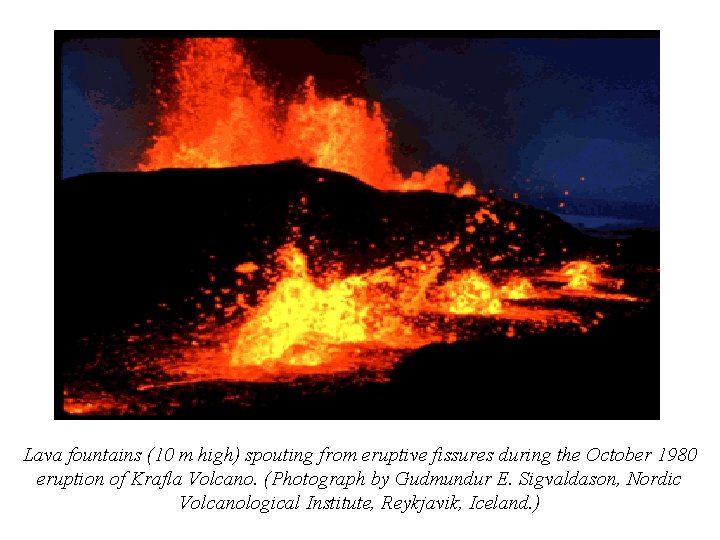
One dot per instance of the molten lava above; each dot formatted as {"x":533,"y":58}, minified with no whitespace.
{"x":335,"y":323}
{"x":219,"y":114}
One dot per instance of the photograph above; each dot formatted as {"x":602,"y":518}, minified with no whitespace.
{"x":357,"y":225}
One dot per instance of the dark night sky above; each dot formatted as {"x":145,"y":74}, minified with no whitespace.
{"x":526,"y":115}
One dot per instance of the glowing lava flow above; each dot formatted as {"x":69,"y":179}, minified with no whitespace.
{"x":219,"y":114}
{"x":303,"y":325}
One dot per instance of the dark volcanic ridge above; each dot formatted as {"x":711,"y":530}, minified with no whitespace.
{"x":138,"y":238}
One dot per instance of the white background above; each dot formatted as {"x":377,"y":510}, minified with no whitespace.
{"x":689,"y":328}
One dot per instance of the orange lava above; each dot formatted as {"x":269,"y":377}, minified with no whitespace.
{"x":309,"y":325}
{"x":219,"y":114}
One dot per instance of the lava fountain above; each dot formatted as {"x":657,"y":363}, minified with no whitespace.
{"x":218,"y":114}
